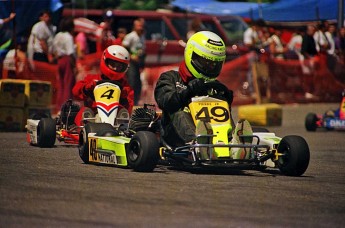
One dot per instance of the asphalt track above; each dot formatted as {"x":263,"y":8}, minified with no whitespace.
{"x":53,"y":188}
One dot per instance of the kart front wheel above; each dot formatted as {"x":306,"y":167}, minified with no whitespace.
{"x":295,"y":155}
{"x":84,"y":140}
{"x":46,"y":132}
{"x":143,"y":151}
{"x":310,"y":122}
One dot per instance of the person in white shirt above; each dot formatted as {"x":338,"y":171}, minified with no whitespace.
{"x":41,"y":38}
{"x":320,"y":39}
{"x":134,"y":42}
{"x":64,"y":51}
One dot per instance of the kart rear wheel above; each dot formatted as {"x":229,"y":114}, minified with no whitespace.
{"x":310,"y":122}
{"x":46,"y":132}
{"x":296,"y":155}
{"x":84,"y":141}
{"x":143,"y":152}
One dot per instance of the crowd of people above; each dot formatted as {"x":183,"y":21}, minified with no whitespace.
{"x":315,"y":42}
{"x":63,"y":45}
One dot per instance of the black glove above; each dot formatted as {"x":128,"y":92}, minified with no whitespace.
{"x":230,"y":97}
{"x":196,"y":86}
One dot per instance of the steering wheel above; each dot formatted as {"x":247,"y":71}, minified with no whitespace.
{"x":219,"y":90}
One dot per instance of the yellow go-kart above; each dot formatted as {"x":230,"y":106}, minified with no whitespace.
{"x":220,"y":144}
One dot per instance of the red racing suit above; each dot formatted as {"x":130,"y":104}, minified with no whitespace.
{"x":80,"y":93}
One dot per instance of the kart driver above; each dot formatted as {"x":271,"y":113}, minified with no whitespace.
{"x":204,"y":58}
{"x":114,"y":64}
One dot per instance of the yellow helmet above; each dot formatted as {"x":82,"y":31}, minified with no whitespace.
{"x":205,"y":55}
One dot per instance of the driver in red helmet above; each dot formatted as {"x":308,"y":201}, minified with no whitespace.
{"x":113,"y":66}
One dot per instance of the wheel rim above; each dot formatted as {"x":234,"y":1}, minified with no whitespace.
{"x":284,"y":158}
{"x":134,"y":151}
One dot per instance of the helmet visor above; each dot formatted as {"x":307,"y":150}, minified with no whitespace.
{"x":207,"y":67}
{"x":116,"y":65}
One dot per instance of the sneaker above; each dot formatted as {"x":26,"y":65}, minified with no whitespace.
{"x":204,"y":128}
{"x":243,"y":127}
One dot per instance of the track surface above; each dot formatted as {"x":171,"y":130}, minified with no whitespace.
{"x":52,"y":187}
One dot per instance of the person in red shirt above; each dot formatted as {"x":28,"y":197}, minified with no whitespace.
{"x":113,"y":66}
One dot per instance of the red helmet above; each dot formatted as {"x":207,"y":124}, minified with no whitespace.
{"x":114,"y":62}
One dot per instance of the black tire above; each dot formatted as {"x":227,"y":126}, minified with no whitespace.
{"x":143,"y":152}
{"x":46,"y":132}
{"x":84,"y":141}
{"x":310,"y":122}
{"x":296,"y":155}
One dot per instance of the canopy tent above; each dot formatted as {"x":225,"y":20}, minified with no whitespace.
{"x":280,"y":11}
{"x":215,"y":7}
{"x":296,"y":10}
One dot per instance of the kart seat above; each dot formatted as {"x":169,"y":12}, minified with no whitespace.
{"x":69,"y":111}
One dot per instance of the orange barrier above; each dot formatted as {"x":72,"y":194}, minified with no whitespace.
{"x":279,"y":81}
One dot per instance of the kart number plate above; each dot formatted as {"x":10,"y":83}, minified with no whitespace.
{"x":213,"y":113}
{"x":99,"y":155}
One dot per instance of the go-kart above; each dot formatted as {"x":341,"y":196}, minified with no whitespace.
{"x":218,"y":145}
{"x":42,"y":130}
{"x":330,"y":120}
{"x":119,"y":139}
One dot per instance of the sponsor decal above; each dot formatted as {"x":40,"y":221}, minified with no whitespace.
{"x":214,"y":42}
{"x":335,"y":123}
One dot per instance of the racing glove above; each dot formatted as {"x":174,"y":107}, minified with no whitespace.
{"x":88,"y":88}
{"x":196,"y":86}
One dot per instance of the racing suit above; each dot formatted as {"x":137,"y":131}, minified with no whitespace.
{"x":172,"y":97}
{"x":81,"y":93}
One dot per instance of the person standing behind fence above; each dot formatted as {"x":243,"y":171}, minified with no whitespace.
{"x":340,"y":44}
{"x":41,"y":38}
{"x":135,"y":44}
{"x":64,"y":51}
{"x":310,"y":54}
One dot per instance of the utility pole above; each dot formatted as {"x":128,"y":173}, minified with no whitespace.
{"x":340,"y":13}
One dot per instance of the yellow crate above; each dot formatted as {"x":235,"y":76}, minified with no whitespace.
{"x":38,"y":93}
{"x":11,"y":119}
{"x":12,"y":93}
{"x":261,"y":115}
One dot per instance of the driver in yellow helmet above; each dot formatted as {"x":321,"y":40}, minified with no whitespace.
{"x":205,"y":53}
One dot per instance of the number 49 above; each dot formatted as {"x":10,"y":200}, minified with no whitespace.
{"x":217,"y":113}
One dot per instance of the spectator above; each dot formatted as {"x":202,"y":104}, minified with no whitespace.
{"x":41,"y":38}
{"x":64,"y":51}
{"x":252,"y":38}
{"x":309,"y":52}
{"x":135,"y":43}
{"x":321,"y":41}
{"x":82,"y":44}
{"x":6,"y":20}
{"x":340,"y":44}
{"x":331,"y":55}
{"x":308,"y":49}
{"x":15,"y":59}
{"x":195,"y":26}
{"x":276,"y":47}
{"x":107,"y":37}
{"x":295,"y":44}
{"x":121,"y":33}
